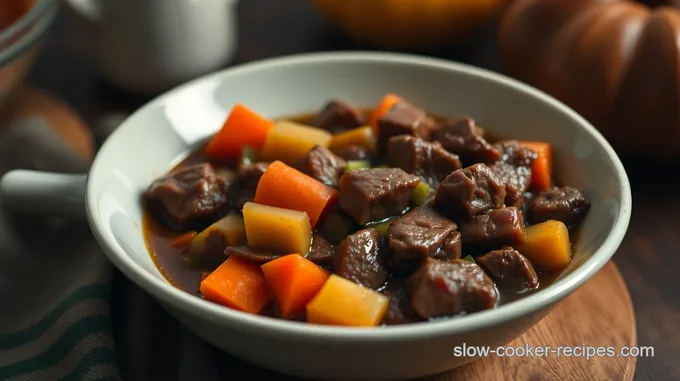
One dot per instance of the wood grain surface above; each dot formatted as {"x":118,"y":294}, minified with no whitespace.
{"x":648,"y":259}
{"x":599,"y":314}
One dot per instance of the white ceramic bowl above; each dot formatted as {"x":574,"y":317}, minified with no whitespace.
{"x":161,"y":133}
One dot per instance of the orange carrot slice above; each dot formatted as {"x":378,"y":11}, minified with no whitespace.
{"x":385,"y":105}
{"x":243,"y":127}
{"x":541,"y":171}
{"x":239,"y":284}
{"x":183,"y":240}
{"x":285,"y":187}
{"x":294,"y":281}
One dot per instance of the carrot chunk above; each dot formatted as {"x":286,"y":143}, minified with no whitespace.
{"x":203,"y":275}
{"x":343,"y":302}
{"x":294,"y":280}
{"x":385,"y":105}
{"x":285,"y":187}
{"x":238,"y":284}
{"x":183,"y":240}
{"x":541,"y":171}
{"x":243,"y":127}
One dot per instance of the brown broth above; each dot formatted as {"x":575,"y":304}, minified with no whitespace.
{"x":166,"y":257}
{"x":159,"y":238}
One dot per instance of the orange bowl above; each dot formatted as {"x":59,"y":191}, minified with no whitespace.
{"x":408,"y":23}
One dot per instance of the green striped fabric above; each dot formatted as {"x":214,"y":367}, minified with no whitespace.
{"x":83,"y":294}
{"x":79,"y":347}
{"x":55,"y":295}
{"x":55,"y":321}
{"x":72,"y":340}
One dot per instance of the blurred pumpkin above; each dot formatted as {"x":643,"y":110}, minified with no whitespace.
{"x":616,"y":62}
{"x":408,"y":23}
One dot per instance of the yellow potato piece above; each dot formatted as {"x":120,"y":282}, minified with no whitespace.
{"x":288,"y":141}
{"x":343,"y":302}
{"x":284,"y":230}
{"x":231,"y":229}
{"x":547,"y":245}
{"x":362,"y":136}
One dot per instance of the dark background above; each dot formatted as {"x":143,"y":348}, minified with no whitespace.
{"x":649,"y":258}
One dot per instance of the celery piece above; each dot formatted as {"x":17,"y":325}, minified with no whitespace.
{"x":248,"y":156}
{"x":357,"y":164}
{"x":382,"y":227}
{"x":420,"y":194}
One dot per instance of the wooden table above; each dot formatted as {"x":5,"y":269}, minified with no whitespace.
{"x":649,"y":257}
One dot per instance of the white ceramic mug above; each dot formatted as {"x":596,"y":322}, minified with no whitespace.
{"x":148,"y":46}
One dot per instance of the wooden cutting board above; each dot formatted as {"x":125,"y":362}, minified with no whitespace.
{"x":600,"y":313}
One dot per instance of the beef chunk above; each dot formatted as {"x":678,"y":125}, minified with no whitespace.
{"x":516,"y":180}
{"x":360,"y":259}
{"x":493,"y":229}
{"x":257,"y":255}
{"x":509,"y":269}
{"x":428,"y":160}
{"x":405,"y":119}
{"x":189,"y":194}
{"x":464,"y":138}
{"x":247,"y":178}
{"x":321,"y":252}
{"x":451,"y":248}
{"x":515,"y":154}
{"x":468,"y":192}
{"x":354,"y":152}
{"x":399,"y":309}
{"x":564,"y":204}
{"x":374,"y":194}
{"x":514,"y":170}
{"x":337,"y":116}
{"x":415,"y":236}
{"x":322,"y":165}
{"x":449,"y":288}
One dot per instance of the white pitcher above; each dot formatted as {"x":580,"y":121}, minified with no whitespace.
{"x":148,"y":46}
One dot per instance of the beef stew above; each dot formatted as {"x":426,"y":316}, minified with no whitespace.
{"x":361,"y":217}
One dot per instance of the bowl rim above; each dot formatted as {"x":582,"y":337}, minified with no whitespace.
{"x":255,"y":324}
{"x":32,"y":17}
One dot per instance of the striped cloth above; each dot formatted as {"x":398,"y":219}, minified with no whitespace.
{"x":55,"y":321}
{"x":66,"y":313}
